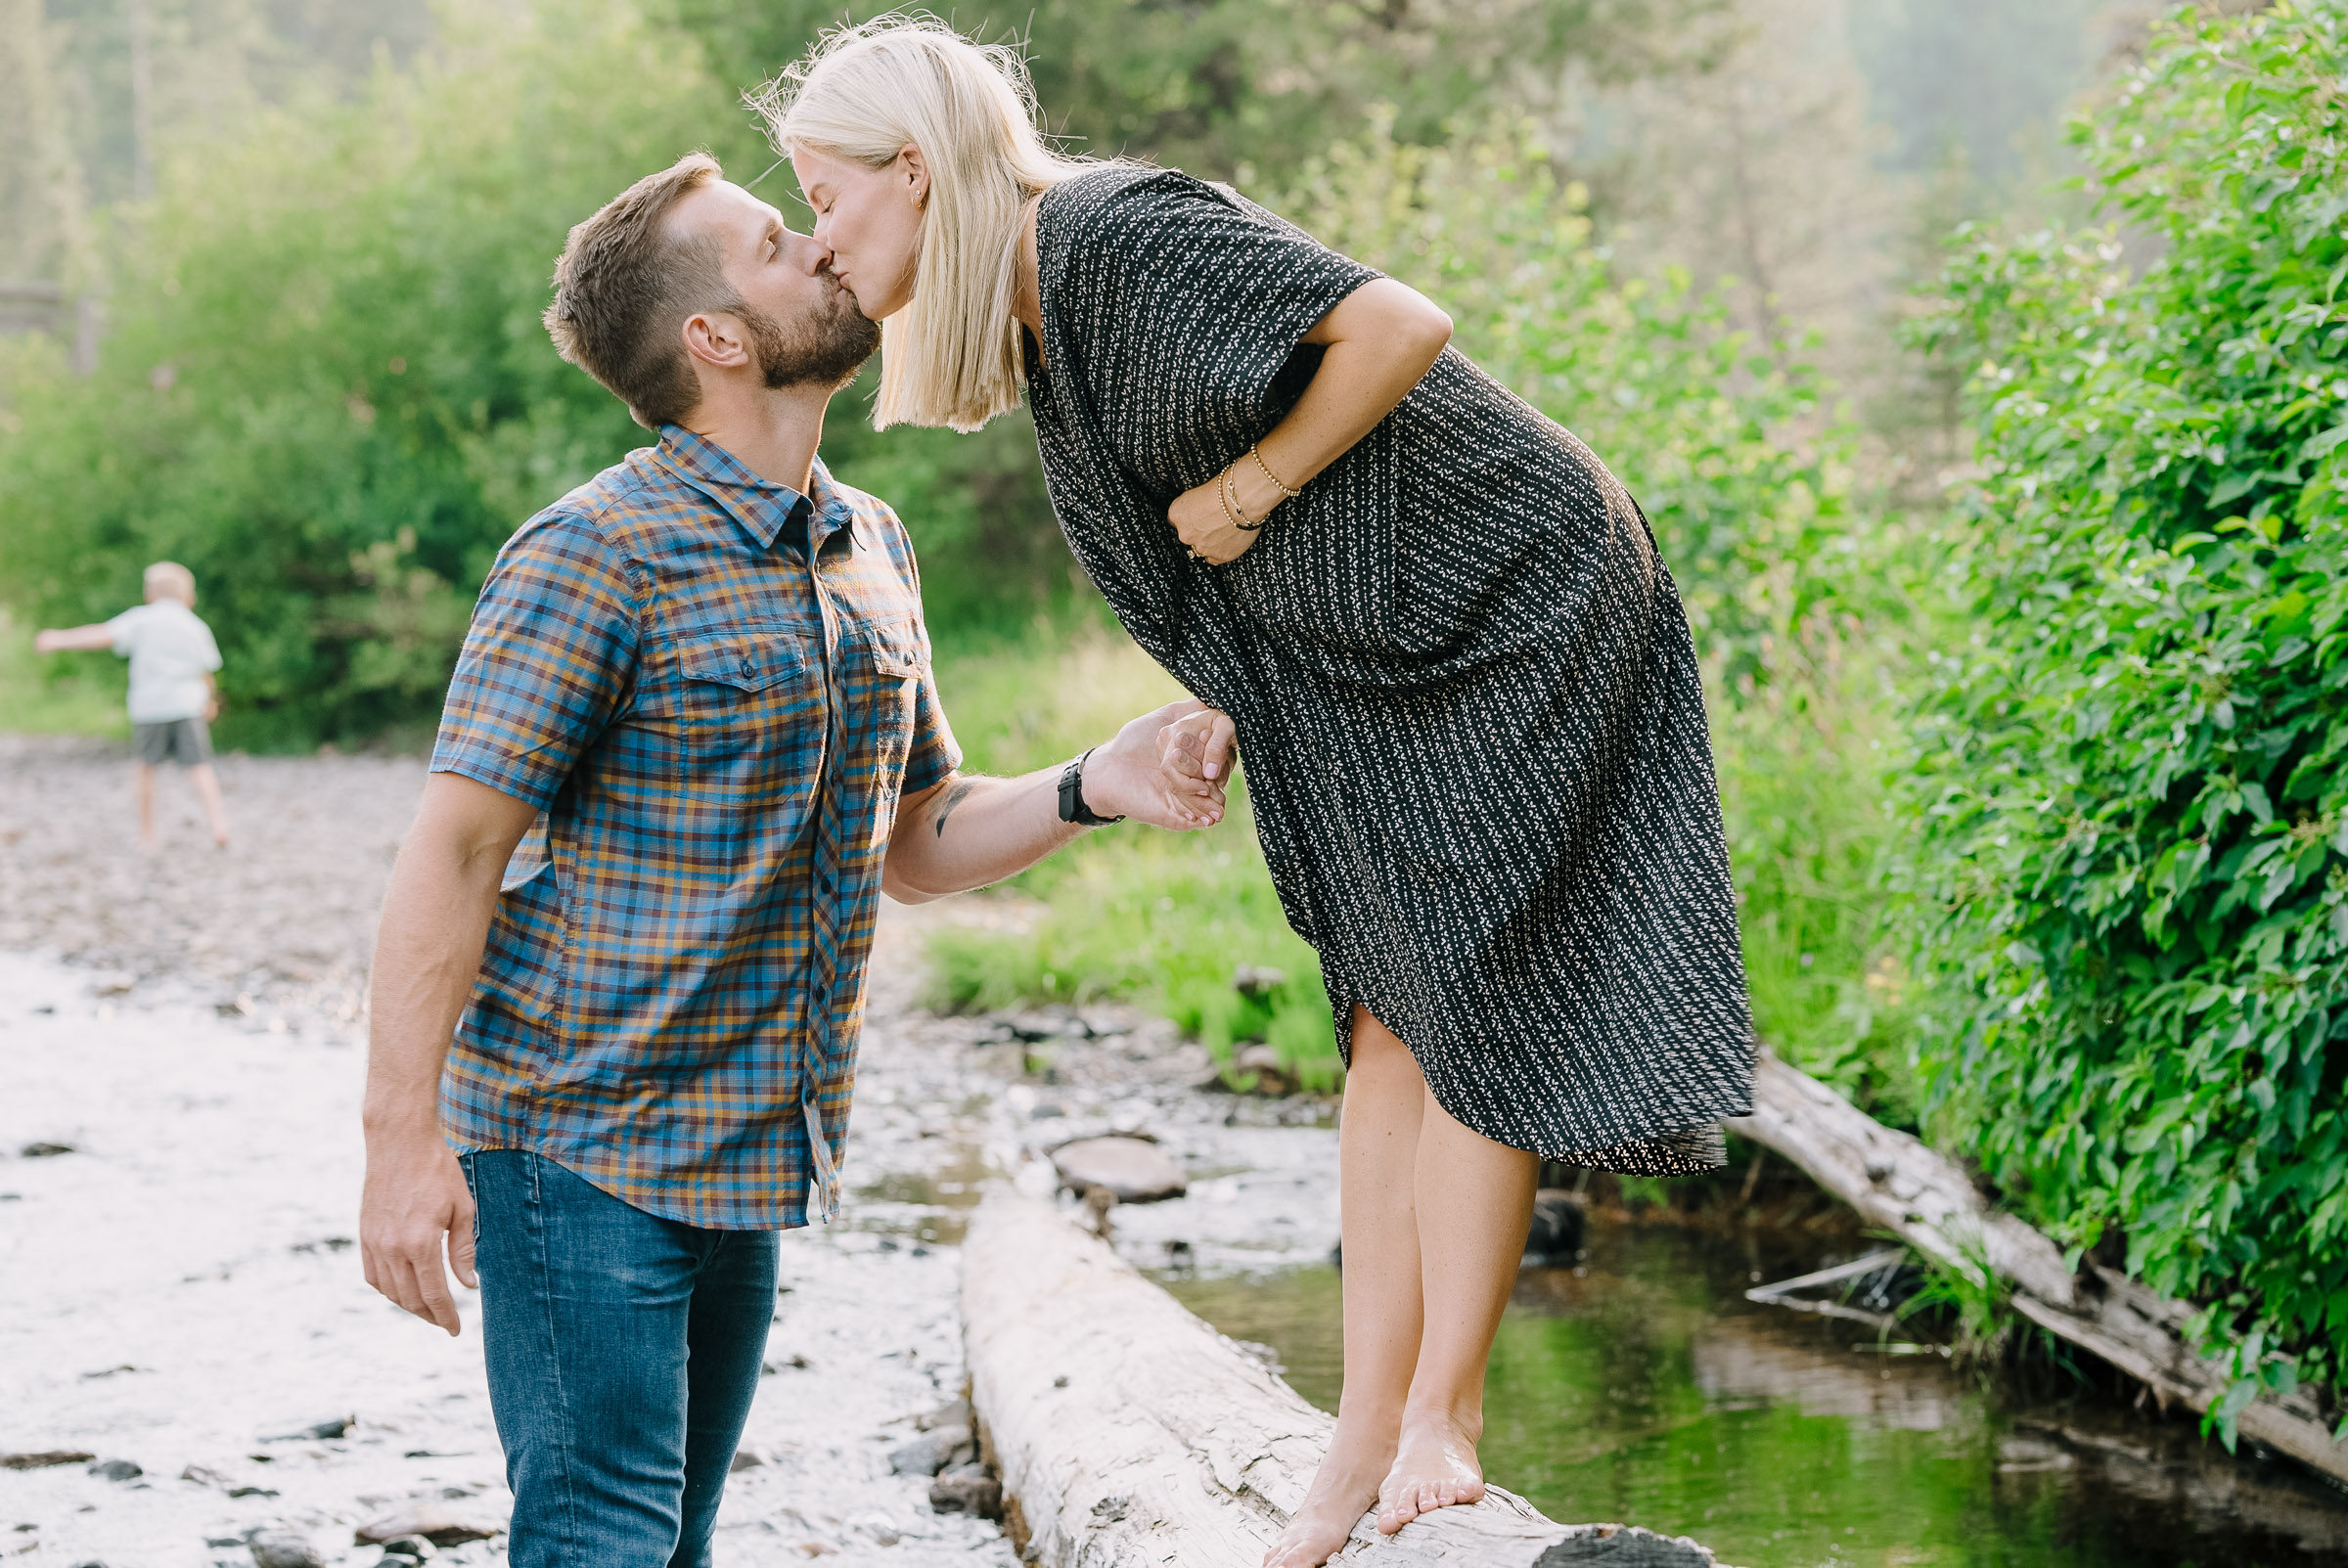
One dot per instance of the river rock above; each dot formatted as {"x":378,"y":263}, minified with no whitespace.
{"x":284,"y":1549}
{"x":1557,"y":1229}
{"x":405,"y":1553}
{"x":436,"y":1522}
{"x":44,"y":1459}
{"x":117,"y":1470}
{"x":1257,"y":979}
{"x":954,"y":1412}
{"x":968,"y":1489}
{"x":324,"y":1429}
{"x":1136,"y":1171}
{"x":1270,"y":1075}
{"x":932,"y":1452}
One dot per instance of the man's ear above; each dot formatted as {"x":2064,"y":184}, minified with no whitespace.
{"x":715,"y":337}
{"x":913,"y":170}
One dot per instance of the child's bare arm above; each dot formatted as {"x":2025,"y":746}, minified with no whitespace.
{"x":96,"y":639}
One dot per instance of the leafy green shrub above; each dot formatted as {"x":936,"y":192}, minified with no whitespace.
{"x":327,"y":391}
{"x":2128,"y":811}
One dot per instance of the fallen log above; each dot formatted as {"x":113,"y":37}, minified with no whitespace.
{"x":1900,"y":1185}
{"x":1128,"y":1432}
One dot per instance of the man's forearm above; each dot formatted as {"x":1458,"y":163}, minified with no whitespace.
{"x":427,"y":950}
{"x":427,"y":954}
{"x":975,"y":831}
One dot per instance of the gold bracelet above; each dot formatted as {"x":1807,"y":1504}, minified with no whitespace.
{"x":1227,"y":490}
{"x":1276,"y":483}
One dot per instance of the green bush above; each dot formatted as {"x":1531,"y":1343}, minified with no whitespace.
{"x":327,"y":391}
{"x":2129,"y":816}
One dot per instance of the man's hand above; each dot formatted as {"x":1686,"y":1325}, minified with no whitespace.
{"x":413,"y":1206}
{"x":427,"y":954}
{"x":1149,"y":778}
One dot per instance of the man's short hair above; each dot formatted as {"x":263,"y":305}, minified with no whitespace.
{"x":624,"y":286}
{"x":169,"y":579}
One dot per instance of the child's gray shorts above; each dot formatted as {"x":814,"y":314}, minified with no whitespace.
{"x":186,"y":742}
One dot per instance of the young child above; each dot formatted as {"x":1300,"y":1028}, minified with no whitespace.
{"x":174,"y":695}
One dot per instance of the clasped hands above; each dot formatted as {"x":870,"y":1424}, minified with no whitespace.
{"x":1170,"y":768}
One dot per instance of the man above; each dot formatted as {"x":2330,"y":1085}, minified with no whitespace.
{"x":692,"y":738}
{"x":174,"y":690}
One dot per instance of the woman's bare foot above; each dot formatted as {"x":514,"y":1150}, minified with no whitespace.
{"x":1434,"y":1467}
{"x":1342,"y":1491}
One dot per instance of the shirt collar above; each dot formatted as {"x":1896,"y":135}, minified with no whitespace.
{"x":760,"y":506}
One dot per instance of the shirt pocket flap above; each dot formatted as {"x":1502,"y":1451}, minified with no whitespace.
{"x":746,"y":661}
{"x":893,"y":659}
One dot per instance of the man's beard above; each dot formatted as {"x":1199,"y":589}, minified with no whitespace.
{"x":824,"y":348}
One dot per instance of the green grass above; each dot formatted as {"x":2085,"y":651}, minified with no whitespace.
{"x":1163,"y":920}
{"x":58,"y":694}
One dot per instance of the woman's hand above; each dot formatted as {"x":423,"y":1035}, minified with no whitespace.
{"x":1199,"y":746}
{"x":1200,"y":519}
{"x":1142,"y":776}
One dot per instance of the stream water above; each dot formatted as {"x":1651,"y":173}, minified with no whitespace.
{"x":1642,"y":1386}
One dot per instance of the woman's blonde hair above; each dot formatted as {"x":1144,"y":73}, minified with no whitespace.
{"x":952,"y":355}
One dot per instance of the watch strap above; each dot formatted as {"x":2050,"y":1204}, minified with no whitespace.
{"x":1073,"y":807}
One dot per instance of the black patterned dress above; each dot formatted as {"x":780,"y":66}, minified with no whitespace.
{"x":1466,"y":699}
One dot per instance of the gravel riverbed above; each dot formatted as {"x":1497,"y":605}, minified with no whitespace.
{"x":181,"y":1041}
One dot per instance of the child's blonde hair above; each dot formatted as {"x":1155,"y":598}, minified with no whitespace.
{"x":169,"y":579}
{"x":950,"y":356}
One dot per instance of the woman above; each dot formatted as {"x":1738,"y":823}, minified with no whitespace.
{"x":1461,"y":677}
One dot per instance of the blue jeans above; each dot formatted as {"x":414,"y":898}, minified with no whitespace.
{"x":624,"y":1352}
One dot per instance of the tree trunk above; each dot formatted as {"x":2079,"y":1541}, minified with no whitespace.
{"x":1127,"y":1432}
{"x":1897,"y":1183}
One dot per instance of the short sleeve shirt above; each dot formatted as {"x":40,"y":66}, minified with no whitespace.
{"x":171,"y":651}
{"x":715,"y":689}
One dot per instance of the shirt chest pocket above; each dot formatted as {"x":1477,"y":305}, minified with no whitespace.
{"x":745,"y":692}
{"x":888,"y":669}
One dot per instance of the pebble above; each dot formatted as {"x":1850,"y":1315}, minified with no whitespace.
{"x":117,"y":1470}
{"x":1136,"y":1171}
{"x":933,"y":1451}
{"x":43,"y":1460}
{"x":442,"y":1526}
{"x":323,"y":1430}
{"x":284,"y":1549}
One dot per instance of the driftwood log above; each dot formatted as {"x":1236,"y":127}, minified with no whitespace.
{"x":1129,"y":1433}
{"x":1899,"y":1184}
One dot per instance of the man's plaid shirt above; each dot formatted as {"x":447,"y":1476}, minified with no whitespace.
{"x":717,"y":733}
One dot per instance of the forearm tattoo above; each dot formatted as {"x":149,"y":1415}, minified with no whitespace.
{"x":954,"y":797}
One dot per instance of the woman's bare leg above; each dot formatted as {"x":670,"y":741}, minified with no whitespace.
{"x":1377,"y":1159}
{"x":1474,"y":1204}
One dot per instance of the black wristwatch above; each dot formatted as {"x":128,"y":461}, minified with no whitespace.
{"x":1072,"y":796}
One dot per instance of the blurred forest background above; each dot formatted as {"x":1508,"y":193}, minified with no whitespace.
{"x":1819,"y":279}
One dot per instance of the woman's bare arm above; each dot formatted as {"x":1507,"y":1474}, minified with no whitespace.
{"x":1377,"y":344}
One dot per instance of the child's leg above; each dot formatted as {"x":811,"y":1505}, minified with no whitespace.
{"x":146,"y":805}
{"x":208,"y":790}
